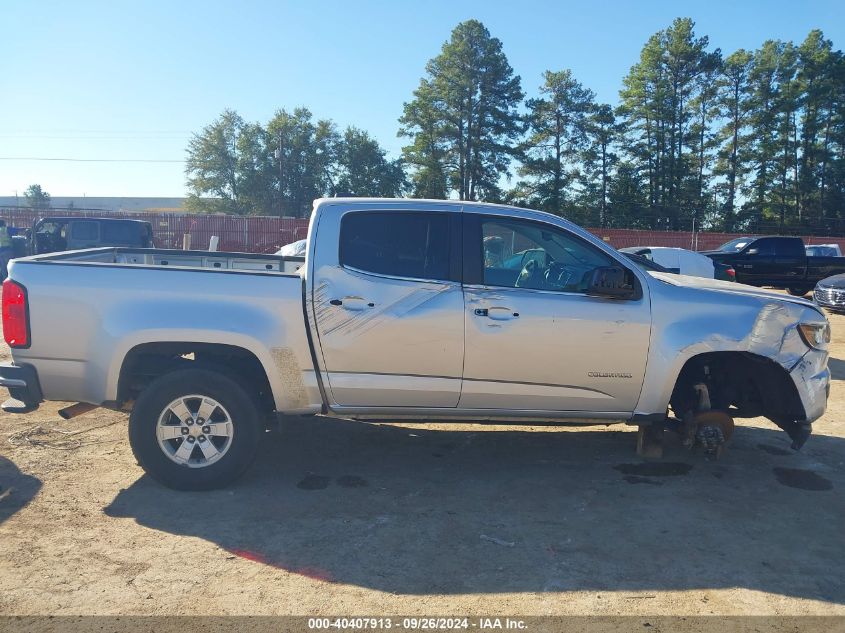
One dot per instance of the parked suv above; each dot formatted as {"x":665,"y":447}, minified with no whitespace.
{"x":50,"y":235}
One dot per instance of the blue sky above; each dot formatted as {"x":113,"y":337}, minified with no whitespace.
{"x":132,"y":80}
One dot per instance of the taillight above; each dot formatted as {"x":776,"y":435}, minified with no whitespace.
{"x":15,"y":315}
{"x":731,"y":272}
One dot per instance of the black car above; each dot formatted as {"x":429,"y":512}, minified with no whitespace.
{"x":830,"y":293}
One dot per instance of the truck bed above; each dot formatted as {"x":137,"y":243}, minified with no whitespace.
{"x":245,"y":262}
{"x":89,"y":309}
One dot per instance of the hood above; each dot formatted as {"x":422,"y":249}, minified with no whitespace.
{"x":731,"y":287}
{"x":837,"y":281}
{"x":717,"y":254}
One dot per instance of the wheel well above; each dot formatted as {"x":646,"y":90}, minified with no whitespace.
{"x":146,"y":362}
{"x":744,"y":384}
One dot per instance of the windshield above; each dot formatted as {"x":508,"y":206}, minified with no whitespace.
{"x":646,"y":264}
{"x":295,"y":249}
{"x":735,"y":245}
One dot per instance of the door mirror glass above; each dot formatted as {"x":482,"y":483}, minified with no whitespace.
{"x":611,"y":281}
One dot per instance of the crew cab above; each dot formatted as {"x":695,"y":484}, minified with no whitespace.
{"x":776,"y":261}
{"x":404,"y":310}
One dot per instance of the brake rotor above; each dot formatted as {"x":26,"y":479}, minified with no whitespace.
{"x":713,"y":429}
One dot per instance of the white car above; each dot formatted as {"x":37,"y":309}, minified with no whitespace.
{"x":823,"y":250}
{"x":294,"y":249}
{"x":676,"y":260}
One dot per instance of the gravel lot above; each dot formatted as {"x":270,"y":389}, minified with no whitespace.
{"x":345,"y":518}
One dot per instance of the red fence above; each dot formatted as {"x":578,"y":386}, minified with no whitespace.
{"x":255,"y":234}
{"x":250,"y":234}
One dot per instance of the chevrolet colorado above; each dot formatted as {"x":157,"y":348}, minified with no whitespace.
{"x":404,"y":309}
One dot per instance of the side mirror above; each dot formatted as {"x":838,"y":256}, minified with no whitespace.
{"x":752,"y":251}
{"x":612,"y":282}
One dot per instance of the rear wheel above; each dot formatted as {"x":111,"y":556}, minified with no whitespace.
{"x":194,"y":429}
{"x":798,"y":291}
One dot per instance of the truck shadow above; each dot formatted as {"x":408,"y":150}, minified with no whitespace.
{"x":422,"y":511}
{"x":16,"y":488}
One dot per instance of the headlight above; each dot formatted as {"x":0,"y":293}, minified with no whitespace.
{"x":816,"y":335}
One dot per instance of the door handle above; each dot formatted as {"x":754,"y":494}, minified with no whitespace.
{"x":496,"y":313}
{"x":352,"y":303}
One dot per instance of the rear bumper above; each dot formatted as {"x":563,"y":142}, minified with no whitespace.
{"x":22,"y":383}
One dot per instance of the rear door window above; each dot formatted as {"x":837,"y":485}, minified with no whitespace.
{"x":789,"y":248}
{"x":86,"y":231}
{"x":119,"y":233}
{"x":400,"y":244}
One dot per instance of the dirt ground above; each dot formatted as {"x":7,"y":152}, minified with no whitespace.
{"x":345,"y":518}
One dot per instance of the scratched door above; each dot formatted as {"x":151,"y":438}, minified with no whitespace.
{"x":389,"y":318}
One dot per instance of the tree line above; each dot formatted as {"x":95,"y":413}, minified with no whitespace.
{"x":279,"y":168}
{"x":697,"y":139}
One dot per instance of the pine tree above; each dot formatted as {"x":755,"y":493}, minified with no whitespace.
{"x":733,"y":154}
{"x":557,"y":123}
{"x":463,"y":120}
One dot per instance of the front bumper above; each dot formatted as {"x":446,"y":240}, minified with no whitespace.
{"x":22,"y":383}
{"x":830,"y":298}
{"x":812,"y":380}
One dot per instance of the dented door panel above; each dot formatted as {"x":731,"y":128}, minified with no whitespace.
{"x":384,"y":341}
{"x":404,"y":347}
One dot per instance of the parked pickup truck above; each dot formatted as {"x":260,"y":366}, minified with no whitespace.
{"x":778,"y":262}
{"x":404,"y":310}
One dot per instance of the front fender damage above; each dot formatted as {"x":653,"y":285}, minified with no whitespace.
{"x":776,"y":336}
{"x":791,"y":379}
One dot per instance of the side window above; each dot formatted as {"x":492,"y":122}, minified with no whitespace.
{"x":400,"y":244}
{"x":119,"y":232}
{"x":765,"y":247}
{"x":84,"y":231}
{"x":789,"y":248}
{"x":520,"y":254}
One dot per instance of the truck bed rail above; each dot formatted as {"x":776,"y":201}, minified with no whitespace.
{"x":152,"y":257}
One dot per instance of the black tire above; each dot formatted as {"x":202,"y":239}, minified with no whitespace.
{"x":154,"y":400}
{"x":798,"y":292}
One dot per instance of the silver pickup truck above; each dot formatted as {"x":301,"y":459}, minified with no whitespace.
{"x":403,"y":310}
